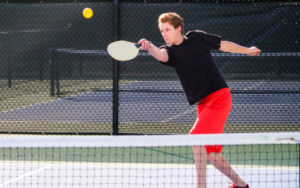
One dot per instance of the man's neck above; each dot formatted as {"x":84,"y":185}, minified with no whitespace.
{"x":179,"y":41}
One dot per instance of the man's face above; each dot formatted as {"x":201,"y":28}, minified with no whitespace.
{"x":169,"y":33}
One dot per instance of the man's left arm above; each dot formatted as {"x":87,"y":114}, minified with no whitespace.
{"x":227,"y":46}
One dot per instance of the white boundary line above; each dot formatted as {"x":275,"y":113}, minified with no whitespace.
{"x":145,"y":165}
{"x":23,"y":176}
{"x":179,"y":115}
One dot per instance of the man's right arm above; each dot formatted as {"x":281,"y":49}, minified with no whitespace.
{"x":159,"y":54}
{"x":227,"y":46}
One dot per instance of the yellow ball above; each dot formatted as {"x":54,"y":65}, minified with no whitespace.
{"x":87,"y":13}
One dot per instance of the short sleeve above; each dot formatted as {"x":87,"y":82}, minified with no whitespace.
{"x":212,"y":41}
{"x":170,"y":61}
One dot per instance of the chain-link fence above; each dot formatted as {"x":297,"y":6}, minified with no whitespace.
{"x":56,"y":75}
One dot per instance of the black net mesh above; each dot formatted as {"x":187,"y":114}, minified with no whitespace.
{"x":56,"y":75}
{"x":261,"y":160}
{"x":265,"y":89}
{"x":54,"y":59}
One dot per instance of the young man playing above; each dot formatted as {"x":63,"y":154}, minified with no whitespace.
{"x":202,"y":82}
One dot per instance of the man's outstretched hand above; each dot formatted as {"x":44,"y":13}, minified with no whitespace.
{"x":253,"y":51}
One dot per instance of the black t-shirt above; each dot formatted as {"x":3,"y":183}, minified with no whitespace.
{"x":194,"y":65}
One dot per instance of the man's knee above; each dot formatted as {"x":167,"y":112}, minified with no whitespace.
{"x":212,"y":157}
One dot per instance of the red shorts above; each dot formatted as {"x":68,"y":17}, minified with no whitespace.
{"x":212,"y":112}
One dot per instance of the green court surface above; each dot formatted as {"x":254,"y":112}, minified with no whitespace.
{"x":279,"y":155}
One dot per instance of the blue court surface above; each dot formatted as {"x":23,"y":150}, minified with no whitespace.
{"x":274,"y":105}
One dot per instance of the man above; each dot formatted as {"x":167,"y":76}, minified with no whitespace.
{"x":202,"y":82}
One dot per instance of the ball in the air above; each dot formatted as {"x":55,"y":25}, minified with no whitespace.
{"x":87,"y":13}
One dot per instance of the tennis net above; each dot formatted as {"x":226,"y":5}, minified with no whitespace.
{"x":262,"y":160}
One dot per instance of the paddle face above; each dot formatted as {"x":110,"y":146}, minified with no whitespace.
{"x":123,"y":50}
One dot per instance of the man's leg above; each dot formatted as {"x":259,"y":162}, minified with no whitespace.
{"x":200,"y":158}
{"x":223,"y":166}
{"x":212,"y":113}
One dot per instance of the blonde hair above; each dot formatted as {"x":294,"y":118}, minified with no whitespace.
{"x":173,"y":19}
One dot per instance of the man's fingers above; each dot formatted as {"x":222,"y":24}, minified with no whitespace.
{"x":144,"y":44}
{"x":255,"y":53}
{"x":141,"y":43}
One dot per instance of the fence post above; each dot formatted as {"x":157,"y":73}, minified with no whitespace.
{"x":115,"y":73}
{"x":52,"y":72}
{"x":9,"y":62}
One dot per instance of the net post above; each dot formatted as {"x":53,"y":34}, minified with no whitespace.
{"x":115,"y":73}
{"x":52,"y":72}
{"x":9,"y":59}
{"x":57,"y":68}
{"x":41,"y":63}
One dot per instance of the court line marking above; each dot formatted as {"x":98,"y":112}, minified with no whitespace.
{"x":147,"y":165}
{"x":253,"y":86}
{"x":179,"y":115}
{"x":23,"y":176}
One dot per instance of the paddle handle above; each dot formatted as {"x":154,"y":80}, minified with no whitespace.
{"x":139,"y":45}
